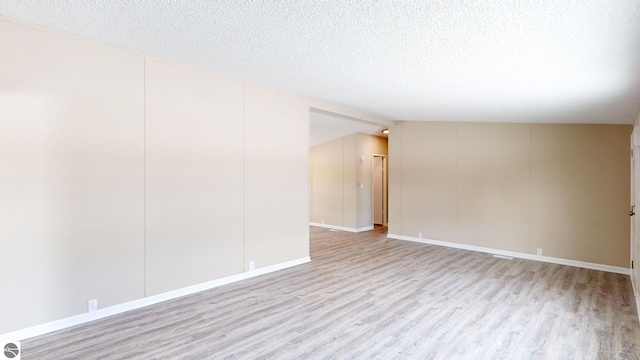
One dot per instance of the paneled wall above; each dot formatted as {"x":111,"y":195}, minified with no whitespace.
{"x":333,"y":166}
{"x":276,"y":176}
{"x":123,"y":176}
{"x":71,"y":176}
{"x":422,"y":180}
{"x":194,"y":177}
{"x":580,"y":192}
{"x":493,"y":185}
{"x":518,"y":187}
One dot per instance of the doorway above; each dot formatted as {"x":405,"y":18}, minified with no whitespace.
{"x":379,"y":190}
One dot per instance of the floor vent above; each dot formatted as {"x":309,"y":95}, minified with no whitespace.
{"x":503,"y":257}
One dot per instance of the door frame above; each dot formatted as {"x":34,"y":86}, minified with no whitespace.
{"x":634,"y":200}
{"x":385,"y":199}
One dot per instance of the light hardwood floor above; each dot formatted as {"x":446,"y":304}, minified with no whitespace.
{"x":364,"y":296}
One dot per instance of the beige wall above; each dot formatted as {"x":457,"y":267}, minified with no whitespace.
{"x":493,"y":185}
{"x":91,"y":138}
{"x":336,"y":166}
{"x":329,"y":174}
{"x":276,"y":177}
{"x":194,"y":177}
{"x":517,"y":187}
{"x":422,"y":180}
{"x":350,"y":190}
{"x":71,"y":176}
{"x":580,"y":192}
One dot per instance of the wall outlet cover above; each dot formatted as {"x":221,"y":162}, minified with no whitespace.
{"x":92,"y":305}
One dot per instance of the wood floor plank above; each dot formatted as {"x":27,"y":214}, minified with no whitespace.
{"x":364,"y":296}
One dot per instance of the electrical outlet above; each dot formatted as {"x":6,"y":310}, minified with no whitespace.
{"x":539,"y":252}
{"x":420,"y":235}
{"x":92,"y":305}
{"x":322,"y":221}
{"x":252,"y":265}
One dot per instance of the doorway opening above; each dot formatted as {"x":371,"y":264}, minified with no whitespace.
{"x":341,"y":177}
{"x":379,"y":189}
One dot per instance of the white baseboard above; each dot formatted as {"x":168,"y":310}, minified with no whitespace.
{"x":548,"y":259}
{"x":636,"y":296}
{"x":42,"y":329}
{"x":343,"y":228}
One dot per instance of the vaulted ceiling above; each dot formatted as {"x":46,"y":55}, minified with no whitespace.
{"x":488,"y":60}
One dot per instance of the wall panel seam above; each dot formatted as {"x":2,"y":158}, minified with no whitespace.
{"x":530,"y":187}
{"x":144,"y":141}
{"x":244,"y":177}
{"x":457,"y":164}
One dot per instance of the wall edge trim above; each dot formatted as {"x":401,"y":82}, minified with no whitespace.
{"x":37,"y":330}
{"x":636,"y":297}
{"x":547,"y":259}
{"x":343,"y":228}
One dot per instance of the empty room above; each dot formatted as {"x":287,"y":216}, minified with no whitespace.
{"x":319,"y":179}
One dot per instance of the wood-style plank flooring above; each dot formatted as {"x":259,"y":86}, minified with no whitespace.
{"x":364,"y":296}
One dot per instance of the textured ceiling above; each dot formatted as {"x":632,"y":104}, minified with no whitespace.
{"x":491,"y":60}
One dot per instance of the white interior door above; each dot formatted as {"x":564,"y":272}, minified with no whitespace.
{"x":378,"y":190}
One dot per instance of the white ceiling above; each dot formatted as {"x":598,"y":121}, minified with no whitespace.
{"x":487,"y":60}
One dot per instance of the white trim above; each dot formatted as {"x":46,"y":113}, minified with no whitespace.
{"x":385,"y":207}
{"x":42,"y":329}
{"x":636,"y":297}
{"x":548,"y":259}
{"x":635,"y":136}
{"x":343,"y":228}
{"x":366,"y":228}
